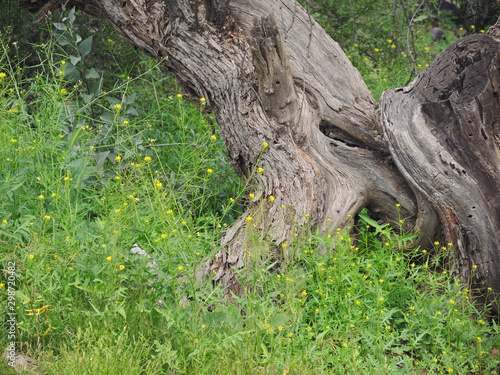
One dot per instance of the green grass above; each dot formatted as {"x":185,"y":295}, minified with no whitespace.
{"x":83,"y":179}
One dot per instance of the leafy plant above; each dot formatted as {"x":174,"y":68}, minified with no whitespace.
{"x":87,"y":174}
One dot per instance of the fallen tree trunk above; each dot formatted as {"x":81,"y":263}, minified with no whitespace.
{"x":288,"y":100}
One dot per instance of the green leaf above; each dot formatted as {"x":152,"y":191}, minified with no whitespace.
{"x":71,"y":73}
{"x":132,"y":111}
{"x":92,"y":73}
{"x":421,"y":18}
{"x":130,"y":99}
{"x":86,"y":46}
{"x":75,"y":137}
{"x":121,"y":310}
{"x":279,"y":320}
{"x":107,"y":117}
{"x":96,"y":87}
{"x":265,"y":353}
{"x":87,"y":98}
{"x":100,"y":158}
{"x":61,"y":39}
{"x":113,"y":101}
{"x":71,"y":15}
{"x":155,"y":317}
{"x":371,"y":222}
{"x":169,"y":321}
{"x":60,"y":26}
{"x":74,"y":60}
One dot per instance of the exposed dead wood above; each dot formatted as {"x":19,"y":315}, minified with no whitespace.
{"x":444,"y":135}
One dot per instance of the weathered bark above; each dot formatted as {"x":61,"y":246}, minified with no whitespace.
{"x":282,"y":80}
{"x":443,"y":131}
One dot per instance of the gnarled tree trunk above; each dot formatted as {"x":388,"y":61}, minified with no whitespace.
{"x":272,"y":76}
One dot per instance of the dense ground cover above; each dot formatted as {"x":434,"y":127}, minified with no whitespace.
{"x":99,"y":155}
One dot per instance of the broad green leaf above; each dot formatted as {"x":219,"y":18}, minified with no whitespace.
{"x":71,"y":15}
{"x":132,"y":111}
{"x":60,"y":26}
{"x":61,"y":39}
{"x":74,"y":60}
{"x":96,"y":87}
{"x":107,"y":117}
{"x":86,"y":46}
{"x":87,"y":98}
{"x":92,"y":73}
{"x":71,"y":73}
{"x":421,"y":18}
{"x":371,"y":222}
{"x":121,"y":310}
{"x":279,"y":320}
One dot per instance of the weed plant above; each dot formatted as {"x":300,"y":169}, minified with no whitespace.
{"x":85,"y":174}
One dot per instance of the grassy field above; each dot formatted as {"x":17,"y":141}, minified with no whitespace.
{"x":94,"y":161}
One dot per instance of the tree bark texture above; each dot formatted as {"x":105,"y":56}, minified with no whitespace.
{"x":270,"y":74}
{"x":443,"y":131}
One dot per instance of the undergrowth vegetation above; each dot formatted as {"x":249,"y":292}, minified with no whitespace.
{"x":389,"y":41}
{"x":97,"y":162}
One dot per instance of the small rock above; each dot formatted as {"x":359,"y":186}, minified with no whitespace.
{"x":137,"y":250}
{"x":437,"y":33}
